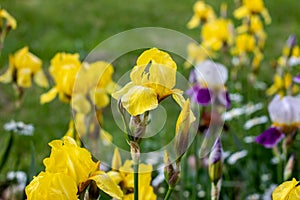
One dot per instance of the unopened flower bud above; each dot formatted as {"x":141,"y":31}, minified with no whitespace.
{"x":172,"y":175}
{"x":215,"y":162}
{"x":182,"y":129}
{"x":288,"y":170}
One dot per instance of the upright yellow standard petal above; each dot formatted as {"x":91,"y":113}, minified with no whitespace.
{"x":49,"y":186}
{"x":116,"y":160}
{"x":66,"y":157}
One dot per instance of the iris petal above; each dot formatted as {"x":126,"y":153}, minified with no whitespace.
{"x":270,"y":137}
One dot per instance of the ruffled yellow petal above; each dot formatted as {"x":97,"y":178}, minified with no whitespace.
{"x":40,"y":79}
{"x":49,"y":96}
{"x":68,"y":158}
{"x":139,"y":99}
{"x":282,"y":191}
{"x":106,"y":184}
{"x":154,"y":67}
{"x":24,"y":59}
{"x":294,"y":194}
{"x":51,"y":186}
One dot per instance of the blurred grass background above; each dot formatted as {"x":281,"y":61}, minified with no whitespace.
{"x":74,"y":26}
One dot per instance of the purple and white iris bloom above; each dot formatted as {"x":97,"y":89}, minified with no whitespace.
{"x":208,"y":79}
{"x":285,"y":115}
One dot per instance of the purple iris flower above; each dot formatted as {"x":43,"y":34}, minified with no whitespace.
{"x":285,"y":115}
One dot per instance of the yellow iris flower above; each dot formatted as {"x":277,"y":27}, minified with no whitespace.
{"x":123,"y":175}
{"x":68,"y":171}
{"x":22,"y":66}
{"x":202,"y":13}
{"x":288,"y":190}
{"x":281,"y":85}
{"x":251,"y":7}
{"x":217,"y":33}
{"x":63,"y":69}
{"x":244,"y":43}
{"x":152,"y":80}
{"x":10,"y":20}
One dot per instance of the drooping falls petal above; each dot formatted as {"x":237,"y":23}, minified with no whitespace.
{"x":106,"y":184}
{"x":139,"y":99}
{"x":49,"y":96}
{"x":270,"y":137}
{"x":49,"y":186}
{"x":287,"y":191}
{"x":81,"y":104}
{"x":40,"y":79}
{"x":24,"y":78}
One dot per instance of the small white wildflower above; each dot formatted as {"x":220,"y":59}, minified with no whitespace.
{"x":260,"y":85}
{"x":274,"y":160}
{"x":246,"y":109}
{"x":294,"y":61}
{"x":255,"y":121}
{"x":249,"y":139}
{"x":236,"y":97}
{"x":266,"y":177}
{"x":236,"y":156}
{"x":160,"y":177}
{"x":253,"y":197}
{"x":19,"y":127}
{"x":20,"y":178}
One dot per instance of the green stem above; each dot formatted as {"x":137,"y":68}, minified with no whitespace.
{"x":169,"y":192}
{"x":136,"y":180}
{"x":196,"y":165}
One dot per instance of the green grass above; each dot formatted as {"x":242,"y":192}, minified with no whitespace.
{"x":48,"y":27}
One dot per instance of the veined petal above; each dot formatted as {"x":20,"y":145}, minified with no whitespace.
{"x":106,"y":184}
{"x":282,"y":192}
{"x":49,"y":96}
{"x":154,"y":67}
{"x":40,"y":79}
{"x":270,"y":137}
{"x":122,"y":91}
{"x":139,"y":99}
{"x":178,"y":97}
{"x":50,"y":186}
